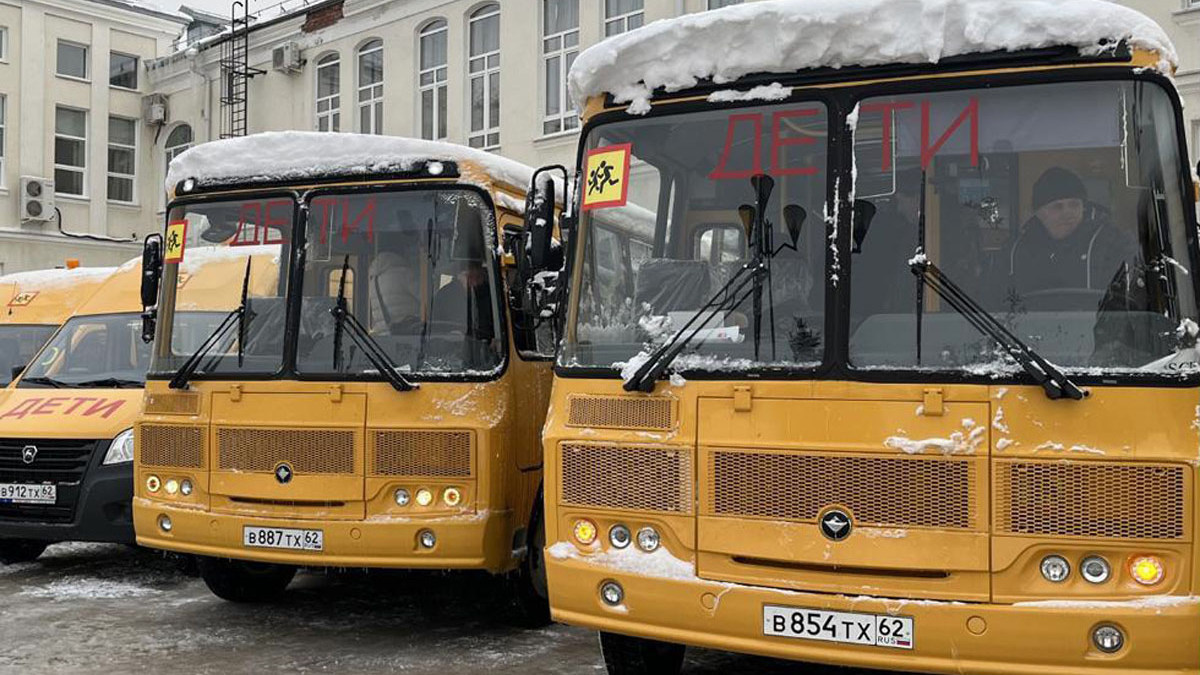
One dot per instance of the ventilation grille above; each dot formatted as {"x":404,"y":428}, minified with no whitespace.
{"x":627,"y":477}
{"x":306,"y":450}
{"x":171,"y":446}
{"x":172,"y":404}
{"x":422,"y":453}
{"x":1113,"y":501}
{"x":887,"y":491}
{"x":620,"y":412}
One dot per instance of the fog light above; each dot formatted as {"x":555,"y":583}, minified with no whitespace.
{"x":185,"y":487}
{"x":648,"y":539}
{"x":1055,"y":568}
{"x":1147,"y":570}
{"x":452,"y":497}
{"x":172,"y":486}
{"x":611,"y":593}
{"x":1108,"y":638}
{"x":1095,"y":569}
{"x":426,"y":538}
{"x":619,"y":536}
{"x":153,"y":483}
{"x":402,"y":497}
{"x":424,"y":497}
{"x":585,"y":531}
{"x":164,"y":523}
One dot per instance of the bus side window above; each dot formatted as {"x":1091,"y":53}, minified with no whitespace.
{"x":719,"y":244}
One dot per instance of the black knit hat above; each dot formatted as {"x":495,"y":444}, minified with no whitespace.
{"x":1057,"y":183}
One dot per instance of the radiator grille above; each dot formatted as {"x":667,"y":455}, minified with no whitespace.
{"x":1094,"y":499}
{"x":62,"y":461}
{"x":889,"y":491}
{"x":173,"y":404}
{"x":620,"y":412}
{"x":627,"y":477}
{"x":174,"y":446}
{"x":422,"y":453}
{"x":306,"y":450}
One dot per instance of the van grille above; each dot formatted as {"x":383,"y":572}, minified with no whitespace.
{"x":173,"y":446}
{"x":62,"y":461}
{"x":422,"y":453}
{"x":620,"y":412}
{"x":885,"y":491}
{"x":1092,"y":499}
{"x":642,"y":478}
{"x":306,"y":450}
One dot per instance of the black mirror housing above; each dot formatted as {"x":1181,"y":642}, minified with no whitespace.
{"x":539,"y":222}
{"x":152,"y":264}
{"x":17,"y":370}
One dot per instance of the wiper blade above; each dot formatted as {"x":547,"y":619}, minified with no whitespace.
{"x":1052,"y":380}
{"x":236,"y":317}
{"x":48,"y":382}
{"x":111,"y":382}
{"x":342,"y":320}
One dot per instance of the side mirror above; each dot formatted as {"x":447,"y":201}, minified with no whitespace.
{"x":152,"y":263}
{"x":539,"y":220}
{"x":864,"y":213}
{"x":17,"y":370}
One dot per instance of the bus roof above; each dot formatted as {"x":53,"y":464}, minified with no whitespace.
{"x":297,"y":156}
{"x":784,"y":36}
{"x":48,"y":297}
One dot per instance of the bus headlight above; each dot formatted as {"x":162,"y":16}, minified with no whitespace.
{"x":1095,"y":569}
{"x":1147,"y":570}
{"x":619,"y":536}
{"x":1055,"y":569}
{"x":452,"y":496}
{"x":424,"y":497}
{"x":153,"y":483}
{"x":648,"y":539}
{"x":185,"y":487}
{"x":402,"y":497}
{"x":121,"y":449}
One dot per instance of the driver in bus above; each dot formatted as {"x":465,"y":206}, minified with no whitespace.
{"x":1070,"y":244}
{"x":465,"y":303}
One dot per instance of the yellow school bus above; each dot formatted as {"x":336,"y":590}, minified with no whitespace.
{"x":66,"y":450}
{"x":35,"y":305}
{"x":879,"y":346}
{"x":378,"y":407}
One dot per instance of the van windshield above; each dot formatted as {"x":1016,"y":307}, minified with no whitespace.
{"x":18,"y":344}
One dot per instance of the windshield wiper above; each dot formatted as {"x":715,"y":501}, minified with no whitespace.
{"x":343,"y":319}
{"x":48,"y":382}
{"x":1056,"y":384}
{"x":236,"y":317}
{"x":111,"y":383}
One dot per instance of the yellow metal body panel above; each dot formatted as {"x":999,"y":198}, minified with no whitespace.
{"x":49,"y":297}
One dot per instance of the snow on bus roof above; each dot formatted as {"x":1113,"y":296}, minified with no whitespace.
{"x":297,"y":155}
{"x":781,"y":36}
{"x":57,"y":277}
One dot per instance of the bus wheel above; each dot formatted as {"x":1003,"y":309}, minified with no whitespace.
{"x":20,"y":550}
{"x":627,"y":655}
{"x":530,"y":589}
{"x":242,"y":581}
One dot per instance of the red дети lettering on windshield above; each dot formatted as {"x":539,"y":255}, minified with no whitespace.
{"x":324,"y":209}
{"x":929,"y":150}
{"x":49,"y":406}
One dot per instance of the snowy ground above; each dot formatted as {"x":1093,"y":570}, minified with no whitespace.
{"x":95,"y":608}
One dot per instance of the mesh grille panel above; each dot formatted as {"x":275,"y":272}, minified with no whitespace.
{"x":878,"y":490}
{"x":422,"y":453}
{"x":172,"y":446}
{"x":172,"y":404}
{"x":307,"y":450}
{"x":620,"y":412}
{"x":627,"y":477}
{"x":1118,"y":501}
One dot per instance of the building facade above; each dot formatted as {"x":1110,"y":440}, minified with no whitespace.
{"x":478,"y":72}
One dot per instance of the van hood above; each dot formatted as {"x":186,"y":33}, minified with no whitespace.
{"x":68,"y":413}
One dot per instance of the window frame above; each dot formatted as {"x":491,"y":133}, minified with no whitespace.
{"x":87,"y":54}
{"x":438,"y":82}
{"x":623,"y":20}
{"x":332,"y":114}
{"x":374,"y":104}
{"x":718,"y":4}
{"x":81,"y":169}
{"x":490,"y":131}
{"x":137,"y":80}
{"x":3,"y":139}
{"x":4,"y":44}
{"x":131,"y":177}
{"x":566,"y":120}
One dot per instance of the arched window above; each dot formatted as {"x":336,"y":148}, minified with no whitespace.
{"x":431,"y":79}
{"x":329,"y":83}
{"x":178,"y":140}
{"x":560,"y":46}
{"x":370,"y":87}
{"x":483,"y":70}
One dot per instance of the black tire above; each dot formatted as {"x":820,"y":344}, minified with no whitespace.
{"x":627,"y":655}
{"x":14,"y":551}
{"x":242,"y":581}
{"x":530,"y":595}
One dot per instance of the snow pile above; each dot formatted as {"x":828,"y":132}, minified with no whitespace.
{"x":74,"y":588}
{"x":780,"y":36}
{"x":964,"y":442}
{"x":1156,"y":602}
{"x":769,"y":92}
{"x":44,"y":280}
{"x":298,"y":155}
{"x":659,"y":564}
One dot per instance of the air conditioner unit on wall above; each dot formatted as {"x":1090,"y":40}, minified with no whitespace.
{"x":154,"y":109}
{"x":286,"y":58}
{"x":37,"y":199}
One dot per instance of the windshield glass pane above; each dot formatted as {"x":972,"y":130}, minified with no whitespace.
{"x":103,"y":350}
{"x":228,"y":243}
{"x":420,"y":280}
{"x":649,"y":262}
{"x":18,"y":344}
{"x":1058,"y":207}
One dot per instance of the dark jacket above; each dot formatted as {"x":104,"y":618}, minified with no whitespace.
{"x":1086,"y":259}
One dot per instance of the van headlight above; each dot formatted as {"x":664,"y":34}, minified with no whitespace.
{"x":121,"y":450}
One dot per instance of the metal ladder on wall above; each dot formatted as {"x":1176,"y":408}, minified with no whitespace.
{"x":236,"y":72}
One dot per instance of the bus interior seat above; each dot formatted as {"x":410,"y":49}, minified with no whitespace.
{"x":670,"y":285}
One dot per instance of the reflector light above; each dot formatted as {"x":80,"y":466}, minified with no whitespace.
{"x":585,"y":531}
{"x":153,"y":483}
{"x":452,"y":496}
{"x":1147,"y":570}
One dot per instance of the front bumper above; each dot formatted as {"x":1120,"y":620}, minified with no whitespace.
{"x":102,"y":510}
{"x":475,"y":541}
{"x":949,"y":637}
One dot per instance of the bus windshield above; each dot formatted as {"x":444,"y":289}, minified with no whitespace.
{"x":18,"y":344}
{"x":649,"y":262}
{"x":1057,"y":207}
